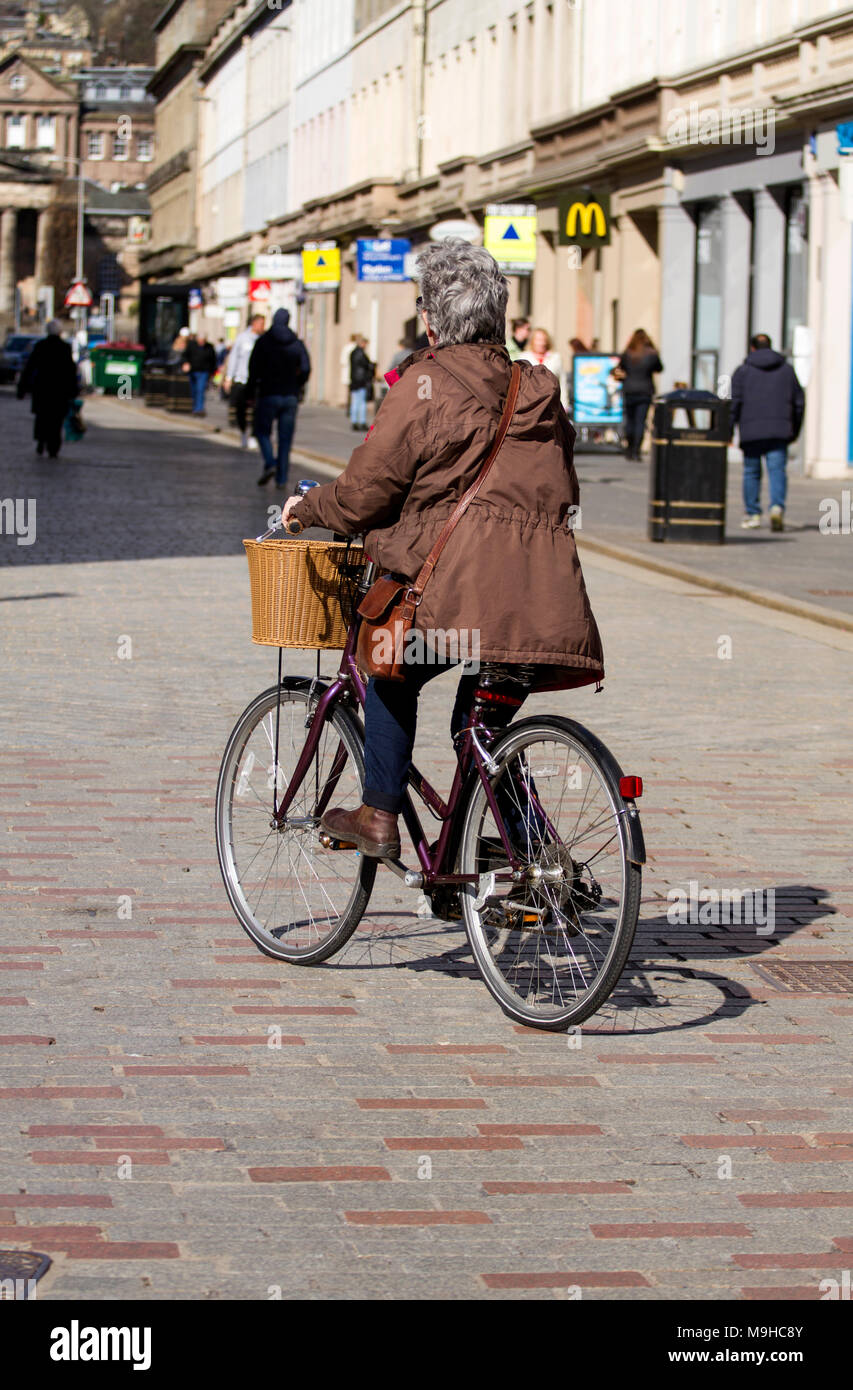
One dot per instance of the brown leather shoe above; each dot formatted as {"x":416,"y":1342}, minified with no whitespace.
{"x":372,"y":831}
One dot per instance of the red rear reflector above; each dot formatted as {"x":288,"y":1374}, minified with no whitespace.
{"x":495,"y":698}
{"x":630,"y":788}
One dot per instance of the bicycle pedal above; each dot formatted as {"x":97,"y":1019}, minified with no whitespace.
{"x":329,"y":842}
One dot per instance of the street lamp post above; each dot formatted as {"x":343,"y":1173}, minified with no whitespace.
{"x":78,"y":313}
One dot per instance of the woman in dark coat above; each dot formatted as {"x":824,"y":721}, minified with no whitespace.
{"x":637,"y":367}
{"x":51,"y":377}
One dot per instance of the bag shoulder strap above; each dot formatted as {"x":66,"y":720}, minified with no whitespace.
{"x":465,"y":501}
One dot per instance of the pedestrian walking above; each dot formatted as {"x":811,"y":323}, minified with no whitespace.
{"x":361,"y":374}
{"x":278,"y":370}
{"x":511,"y":570}
{"x":236,"y":380}
{"x":541,"y":354}
{"x":638,"y":365}
{"x":200,"y":362}
{"x":50,"y":377}
{"x":519,"y":338}
{"x":767,"y":407}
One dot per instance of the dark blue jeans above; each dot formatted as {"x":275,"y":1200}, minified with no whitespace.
{"x":198,"y":386}
{"x":390,"y":723}
{"x":282,"y":411}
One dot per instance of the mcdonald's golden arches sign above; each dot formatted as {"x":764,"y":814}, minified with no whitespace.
{"x":584,"y":218}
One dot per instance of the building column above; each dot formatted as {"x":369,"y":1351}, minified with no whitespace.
{"x":828,"y":423}
{"x":677,"y":242}
{"x":42,"y":266}
{"x":8,"y":241}
{"x":737,"y":239}
{"x":769,"y":272}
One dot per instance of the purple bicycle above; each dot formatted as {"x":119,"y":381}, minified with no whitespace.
{"x":539,"y":847}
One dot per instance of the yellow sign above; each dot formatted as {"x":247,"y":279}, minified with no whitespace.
{"x":510,"y":235}
{"x":321,"y":265}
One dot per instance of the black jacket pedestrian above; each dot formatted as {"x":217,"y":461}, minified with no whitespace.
{"x":361,"y":369}
{"x":200,"y":357}
{"x":639,"y":369}
{"x":767,"y":398}
{"x":51,"y":376}
{"x":279,"y":365}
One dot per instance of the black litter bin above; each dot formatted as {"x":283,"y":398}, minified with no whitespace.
{"x":180,"y":392}
{"x":155,"y":382}
{"x":690,"y":437}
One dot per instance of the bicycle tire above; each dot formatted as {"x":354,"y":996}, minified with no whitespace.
{"x":350,"y":732}
{"x":607,"y":769}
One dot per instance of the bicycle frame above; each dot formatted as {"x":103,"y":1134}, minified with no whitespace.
{"x":349,"y":681}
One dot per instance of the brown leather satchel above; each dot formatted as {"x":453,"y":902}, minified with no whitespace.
{"x":388,"y":608}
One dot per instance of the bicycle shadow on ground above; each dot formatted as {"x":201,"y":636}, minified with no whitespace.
{"x":669,"y":984}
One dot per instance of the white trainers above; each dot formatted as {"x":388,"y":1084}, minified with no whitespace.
{"x":777,"y":519}
{"x":253,"y":443}
{"x":750,"y":521}
{"x":244,"y":439}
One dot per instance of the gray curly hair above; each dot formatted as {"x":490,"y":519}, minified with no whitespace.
{"x":463,"y":292}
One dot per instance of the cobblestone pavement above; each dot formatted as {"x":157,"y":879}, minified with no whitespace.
{"x":155,"y":1145}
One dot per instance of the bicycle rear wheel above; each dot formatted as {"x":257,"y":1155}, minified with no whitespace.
{"x":298,"y":901}
{"x":551,"y":947}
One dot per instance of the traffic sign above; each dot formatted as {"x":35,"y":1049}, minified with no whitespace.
{"x":276,"y":265}
{"x":510,"y":236}
{"x":78,"y":297}
{"x":321,"y":265}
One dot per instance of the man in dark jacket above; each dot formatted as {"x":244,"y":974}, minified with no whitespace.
{"x":278,"y":370}
{"x":767,"y":407}
{"x":51,"y":377}
{"x":200,"y":362}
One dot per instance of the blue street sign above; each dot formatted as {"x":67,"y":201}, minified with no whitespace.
{"x":382,"y":259}
{"x":844,"y":132}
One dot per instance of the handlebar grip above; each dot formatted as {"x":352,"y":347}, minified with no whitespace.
{"x":294,"y":526}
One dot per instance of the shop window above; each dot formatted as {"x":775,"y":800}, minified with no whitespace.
{"x":796,"y":265}
{"x":708,"y":301}
{"x":109,"y":275}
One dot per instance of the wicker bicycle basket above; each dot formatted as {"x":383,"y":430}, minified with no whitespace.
{"x":303,"y":592}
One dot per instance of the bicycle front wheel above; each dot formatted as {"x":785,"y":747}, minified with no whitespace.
{"x":297,"y":900}
{"x":550,"y":947}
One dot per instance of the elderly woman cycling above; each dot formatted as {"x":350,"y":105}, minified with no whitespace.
{"x":509,"y":572}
